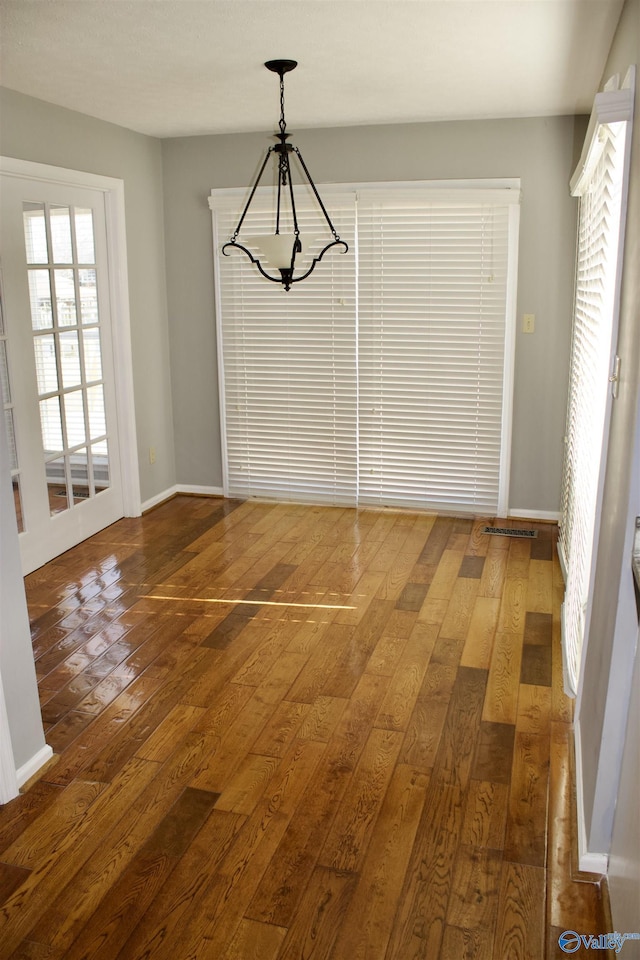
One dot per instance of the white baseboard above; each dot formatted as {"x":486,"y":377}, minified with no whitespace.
{"x":524,"y":513}
{"x":159,"y":498}
{"x":197,"y":490}
{"x":192,"y":489}
{"x":588,"y":860}
{"x":31,"y":767}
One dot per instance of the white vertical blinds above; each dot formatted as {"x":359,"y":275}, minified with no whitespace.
{"x":380,"y":379}
{"x":595,"y":292}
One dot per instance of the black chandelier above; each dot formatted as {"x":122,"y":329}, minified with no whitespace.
{"x":283,"y":251}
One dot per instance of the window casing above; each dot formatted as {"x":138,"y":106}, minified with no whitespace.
{"x":601,"y":184}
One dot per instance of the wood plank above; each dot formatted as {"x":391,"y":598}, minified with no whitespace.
{"x":423,"y":901}
{"x":11,"y":877}
{"x":400,"y":699}
{"x":322,"y":718}
{"x":427,"y":720}
{"x":472,"y":566}
{"x":446,"y":575}
{"x":527,"y":816}
{"x":534,"y":709}
{"x":368,"y":922}
{"x":501,"y":702}
{"x":254,"y":941}
{"x":493,"y":572}
{"x":298,"y":852}
{"x":344,"y":673}
{"x":178,"y":723}
{"x":287,"y":875}
{"x":20,"y":812}
{"x":248,"y":785}
{"x":281,"y":730}
{"x":473,"y":902}
{"x":422,"y":904}
{"x":485,"y":816}
{"x":185,"y":888}
{"x":539,"y":593}
{"x":134,"y":891}
{"x":412,"y":597}
{"x":347,"y":841}
{"x":520,"y":927}
{"x":456,"y":623}
{"x":513,"y":607}
{"x":462,"y":944}
{"x":478,"y":644}
{"x":42,"y":837}
{"x":240,"y":873}
{"x":494,"y":752}
{"x":320,"y":915}
{"x":538,"y":628}
{"x":234,"y":742}
{"x":536,"y":667}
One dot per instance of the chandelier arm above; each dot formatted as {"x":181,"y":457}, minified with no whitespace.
{"x":296,"y":228}
{"x":334,"y":243}
{"x":255,"y":187}
{"x":317,"y":195}
{"x":279,"y":195}
{"x":239,"y":246}
{"x":286,"y":278}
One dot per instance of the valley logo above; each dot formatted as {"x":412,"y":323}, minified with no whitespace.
{"x":570,"y":941}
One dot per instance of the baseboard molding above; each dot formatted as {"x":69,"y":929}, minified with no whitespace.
{"x":159,"y":498}
{"x":522,"y":513}
{"x":195,"y":490}
{"x":588,"y":860}
{"x":31,"y":767}
{"x":189,"y":489}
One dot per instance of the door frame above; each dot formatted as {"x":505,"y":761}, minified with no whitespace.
{"x":113,"y":191}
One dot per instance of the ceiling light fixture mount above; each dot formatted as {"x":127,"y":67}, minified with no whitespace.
{"x":283,"y":250}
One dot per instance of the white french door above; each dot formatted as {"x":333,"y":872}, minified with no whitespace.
{"x":57,"y":365}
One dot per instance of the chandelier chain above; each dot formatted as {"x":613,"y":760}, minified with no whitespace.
{"x":283,"y":125}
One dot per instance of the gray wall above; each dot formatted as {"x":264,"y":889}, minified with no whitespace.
{"x":612,"y":643}
{"x":542,"y":152}
{"x":33,"y":130}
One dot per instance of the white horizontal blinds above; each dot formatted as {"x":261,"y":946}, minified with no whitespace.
{"x":596,"y":271}
{"x":289,"y":364}
{"x":432,"y":309}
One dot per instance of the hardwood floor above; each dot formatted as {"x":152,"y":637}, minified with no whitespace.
{"x":287,"y":732}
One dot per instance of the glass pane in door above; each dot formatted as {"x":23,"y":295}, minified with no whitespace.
{"x":67,"y":341}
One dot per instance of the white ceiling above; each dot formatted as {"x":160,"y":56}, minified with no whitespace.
{"x":183,"y":67}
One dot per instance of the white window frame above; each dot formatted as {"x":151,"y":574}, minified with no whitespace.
{"x":611,"y":106}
